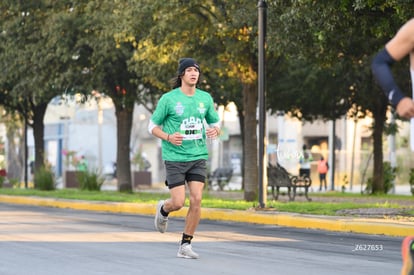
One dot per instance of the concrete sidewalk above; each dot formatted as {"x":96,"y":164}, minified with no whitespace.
{"x":330,"y":223}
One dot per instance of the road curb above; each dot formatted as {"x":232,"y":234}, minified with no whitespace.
{"x":329,"y":223}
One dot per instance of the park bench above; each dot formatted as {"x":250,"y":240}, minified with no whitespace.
{"x":303,"y":182}
{"x":279,"y":177}
{"x":221,"y":177}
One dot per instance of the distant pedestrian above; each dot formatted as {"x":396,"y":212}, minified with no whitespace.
{"x":114,"y":169}
{"x":82,"y":164}
{"x":323,"y":168}
{"x":32,"y":167}
{"x":305,"y":162}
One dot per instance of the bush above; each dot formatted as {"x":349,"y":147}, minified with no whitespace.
{"x":15,"y":183}
{"x":89,"y":180}
{"x":411,"y":181}
{"x":43,"y":179}
{"x":389,"y":176}
{"x":2,"y":179}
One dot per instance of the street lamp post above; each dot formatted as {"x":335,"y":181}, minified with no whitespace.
{"x":99,"y":98}
{"x":262,"y":6}
{"x":26,"y":153}
{"x":65,"y":145}
{"x":332,"y":157}
{"x":100,"y":122}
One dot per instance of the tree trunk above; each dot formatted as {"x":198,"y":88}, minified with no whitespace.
{"x":250,"y":142}
{"x":15,"y":152}
{"x":378,"y":129}
{"x":38,"y":134}
{"x":124,"y":117}
{"x":241,"y":123}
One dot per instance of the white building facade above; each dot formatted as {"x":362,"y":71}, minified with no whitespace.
{"x":90,"y":130}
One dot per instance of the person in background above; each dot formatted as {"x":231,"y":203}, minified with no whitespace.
{"x":305,"y":162}
{"x":178,"y":121}
{"x":82,"y":164}
{"x":147,"y":163}
{"x":32,"y":168}
{"x":400,"y":46}
{"x":323,"y":168}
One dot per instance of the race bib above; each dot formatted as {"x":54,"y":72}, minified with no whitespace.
{"x":191,"y":129}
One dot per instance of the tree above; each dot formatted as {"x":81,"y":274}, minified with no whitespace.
{"x":221,"y":35}
{"x":110,"y":29}
{"x":15,"y":150}
{"x":70,"y":48}
{"x":339,"y":38}
{"x":298,"y":80}
{"x":35,"y":60}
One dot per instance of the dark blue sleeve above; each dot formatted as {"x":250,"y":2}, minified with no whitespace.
{"x":381,"y":68}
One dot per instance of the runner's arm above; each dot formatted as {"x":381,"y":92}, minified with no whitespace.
{"x":156,"y":130}
{"x":381,"y":68}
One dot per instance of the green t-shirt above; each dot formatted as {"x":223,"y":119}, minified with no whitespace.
{"x":177,"y":112}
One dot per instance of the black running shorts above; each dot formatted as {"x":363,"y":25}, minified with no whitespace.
{"x":178,"y":173}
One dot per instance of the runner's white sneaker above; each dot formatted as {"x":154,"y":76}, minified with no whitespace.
{"x":186,"y":251}
{"x":160,"y":221}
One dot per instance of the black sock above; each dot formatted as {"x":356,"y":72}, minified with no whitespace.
{"x":165,"y":214}
{"x":186,"y":239}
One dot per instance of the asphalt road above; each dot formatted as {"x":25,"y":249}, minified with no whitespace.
{"x":43,"y":240}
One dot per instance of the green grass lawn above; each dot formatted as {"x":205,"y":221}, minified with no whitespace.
{"x":333,"y":201}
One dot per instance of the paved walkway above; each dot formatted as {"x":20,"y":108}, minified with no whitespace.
{"x":330,"y":223}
